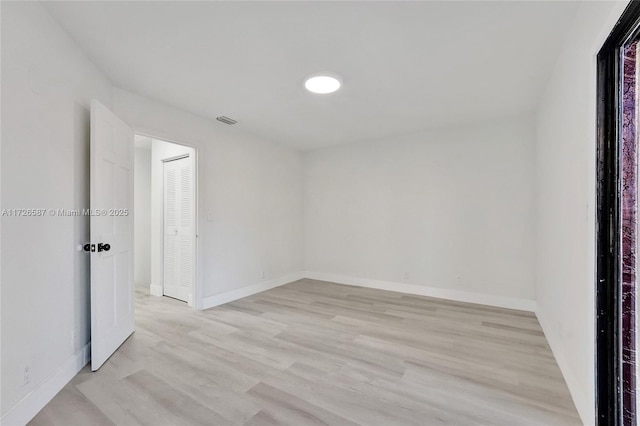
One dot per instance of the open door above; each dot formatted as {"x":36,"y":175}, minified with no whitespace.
{"x":112,"y":303}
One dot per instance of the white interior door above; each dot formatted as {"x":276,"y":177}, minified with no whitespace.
{"x":178,"y":229}
{"x":112,"y":303}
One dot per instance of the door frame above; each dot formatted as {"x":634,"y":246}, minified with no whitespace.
{"x":608,"y":286}
{"x":198,"y":295}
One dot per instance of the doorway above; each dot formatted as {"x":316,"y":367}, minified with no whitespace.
{"x":165,"y":218}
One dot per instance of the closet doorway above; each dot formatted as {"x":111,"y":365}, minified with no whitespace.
{"x":165,"y":219}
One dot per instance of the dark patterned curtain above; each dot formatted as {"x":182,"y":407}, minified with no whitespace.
{"x":629,"y":231}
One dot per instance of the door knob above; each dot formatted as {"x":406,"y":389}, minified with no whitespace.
{"x":104,"y":247}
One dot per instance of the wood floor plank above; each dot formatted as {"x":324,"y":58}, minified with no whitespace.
{"x":318,"y":353}
{"x":181,"y":408}
{"x":73,"y":409}
{"x":289,"y":409}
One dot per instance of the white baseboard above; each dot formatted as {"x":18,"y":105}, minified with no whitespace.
{"x":580,"y":396}
{"x":440,"y":293}
{"x":32,"y":403}
{"x":155,"y":290}
{"x":230,"y":296}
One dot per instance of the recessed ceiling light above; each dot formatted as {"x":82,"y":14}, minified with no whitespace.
{"x":322,"y":84}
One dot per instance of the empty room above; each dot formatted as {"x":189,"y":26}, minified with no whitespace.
{"x":318,"y":212}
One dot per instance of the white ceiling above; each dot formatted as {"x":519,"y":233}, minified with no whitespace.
{"x":405,"y":66}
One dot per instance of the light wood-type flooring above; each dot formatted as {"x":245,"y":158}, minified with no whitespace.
{"x":316,"y":353}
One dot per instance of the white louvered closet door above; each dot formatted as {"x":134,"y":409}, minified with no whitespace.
{"x":178,"y":229}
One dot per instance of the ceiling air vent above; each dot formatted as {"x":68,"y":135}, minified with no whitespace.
{"x":226,"y":120}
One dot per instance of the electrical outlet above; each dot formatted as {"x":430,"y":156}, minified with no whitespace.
{"x":26,"y":378}
{"x":406,"y":276}
{"x":263,"y":275}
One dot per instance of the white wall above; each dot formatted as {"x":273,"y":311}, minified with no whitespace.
{"x":47,"y":84}
{"x":566,"y":185}
{"x":250,"y":195}
{"x":251,"y":189}
{"x":161,"y":151}
{"x":142,"y":217}
{"x":452,"y":209}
